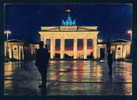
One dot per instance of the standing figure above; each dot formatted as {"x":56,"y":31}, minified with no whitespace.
{"x":109,"y":57}
{"x":27,"y":57}
{"x":110,"y":62}
{"x":42,"y":60}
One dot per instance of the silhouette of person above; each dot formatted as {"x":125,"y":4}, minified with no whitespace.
{"x":42,"y":60}
{"x":27,"y":56}
{"x":27,"y":52}
{"x":109,"y":57}
{"x":110,"y":62}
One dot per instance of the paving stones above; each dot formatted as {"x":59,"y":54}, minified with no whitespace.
{"x":71,"y":78}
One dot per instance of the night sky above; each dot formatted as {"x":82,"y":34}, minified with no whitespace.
{"x":113,"y":20}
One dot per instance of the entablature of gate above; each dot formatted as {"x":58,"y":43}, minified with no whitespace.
{"x":68,"y":28}
{"x":69,"y":35}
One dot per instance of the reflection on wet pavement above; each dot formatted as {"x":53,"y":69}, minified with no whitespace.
{"x":81,"y":78}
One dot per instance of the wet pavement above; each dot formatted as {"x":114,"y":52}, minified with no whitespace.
{"x":70,"y":78}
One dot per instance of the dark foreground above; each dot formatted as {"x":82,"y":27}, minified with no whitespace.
{"x":70,"y":78}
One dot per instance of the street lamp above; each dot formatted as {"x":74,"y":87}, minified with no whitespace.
{"x":129,"y":32}
{"x":7,"y":32}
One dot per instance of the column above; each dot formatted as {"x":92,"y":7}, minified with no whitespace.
{"x":20,"y":52}
{"x":41,"y":38}
{"x":85,"y":48}
{"x":128,"y":49}
{"x":105,"y":52}
{"x":9,"y":50}
{"x":5,"y":48}
{"x":125,"y":51}
{"x":122,"y":51}
{"x":98,"y":54}
{"x":44,"y":41}
{"x":75,"y":49}
{"x":116,"y":51}
{"x":62,"y":47}
{"x":52,"y":48}
{"x":95,"y":48}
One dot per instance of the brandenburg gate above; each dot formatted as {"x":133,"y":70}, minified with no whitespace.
{"x":69,"y":30}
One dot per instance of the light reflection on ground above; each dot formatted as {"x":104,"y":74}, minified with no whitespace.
{"x":78,"y":78}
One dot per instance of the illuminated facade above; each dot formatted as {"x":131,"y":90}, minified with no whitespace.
{"x":121,"y":49}
{"x":69,"y":30}
{"x":14,"y":49}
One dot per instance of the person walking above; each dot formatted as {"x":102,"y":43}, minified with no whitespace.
{"x":42,"y":61}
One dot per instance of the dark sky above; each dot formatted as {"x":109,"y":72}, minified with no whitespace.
{"x":25,"y":21}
